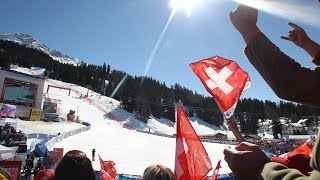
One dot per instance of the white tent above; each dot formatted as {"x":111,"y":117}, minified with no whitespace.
{"x":6,"y":153}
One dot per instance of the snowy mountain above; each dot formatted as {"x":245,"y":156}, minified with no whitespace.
{"x":29,"y":41}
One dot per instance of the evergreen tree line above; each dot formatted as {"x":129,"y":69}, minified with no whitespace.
{"x":146,"y":96}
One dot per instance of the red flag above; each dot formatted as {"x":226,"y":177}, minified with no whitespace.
{"x":224,"y":80}
{"x":304,"y":148}
{"x":192,"y":161}
{"x":107,"y":171}
{"x":216,"y":171}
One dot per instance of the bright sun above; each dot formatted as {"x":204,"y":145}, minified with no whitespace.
{"x":186,"y":5}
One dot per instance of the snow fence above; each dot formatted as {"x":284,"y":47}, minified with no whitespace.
{"x":42,"y":148}
{"x":63,"y":136}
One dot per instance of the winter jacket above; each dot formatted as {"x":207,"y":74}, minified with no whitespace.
{"x":290,"y":81}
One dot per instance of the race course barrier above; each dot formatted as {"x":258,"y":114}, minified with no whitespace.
{"x":42,"y":148}
{"x":63,"y":136}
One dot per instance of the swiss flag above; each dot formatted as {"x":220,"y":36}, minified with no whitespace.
{"x":107,"y":171}
{"x":224,"y":80}
{"x":192,"y":161}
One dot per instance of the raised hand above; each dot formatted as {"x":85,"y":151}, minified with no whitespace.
{"x":244,"y":19}
{"x":297,"y":35}
{"x":300,"y":38}
{"x":245,"y":160}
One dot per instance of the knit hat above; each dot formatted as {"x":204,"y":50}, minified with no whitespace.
{"x":295,"y":160}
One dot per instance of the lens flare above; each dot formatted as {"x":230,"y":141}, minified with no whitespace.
{"x":123,"y":80}
{"x":156,"y":46}
{"x":298,"y":11}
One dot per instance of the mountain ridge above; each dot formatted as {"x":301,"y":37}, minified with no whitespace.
{"x":31,"y":42}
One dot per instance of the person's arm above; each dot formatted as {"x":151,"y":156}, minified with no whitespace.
{"x":313,"y":49}
{"x":248,"y":161}
{"x":286,"y":77}
{"x":315,"y":157}
{"x":274,"y":170}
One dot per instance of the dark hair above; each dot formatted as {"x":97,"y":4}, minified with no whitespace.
{"x":157,"y":172}
{"x":74,"y":165}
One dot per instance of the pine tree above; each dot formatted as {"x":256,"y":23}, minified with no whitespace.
{"x":159,"y":99}
{"x":4,"y":59}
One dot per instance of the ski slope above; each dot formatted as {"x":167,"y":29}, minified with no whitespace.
{"x":117,"y":139}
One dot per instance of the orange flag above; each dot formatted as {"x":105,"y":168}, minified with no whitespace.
{"x":107,"y":171}
{"x":216,"y":171}
{"x":192,"y":161}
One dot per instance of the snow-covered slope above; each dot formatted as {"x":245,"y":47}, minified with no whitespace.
{"x":131,"y":150}
{"x":29,"y":41}
{"x":202,"y":127}
{"x":161,"y":126}
{"x":109,"y":105}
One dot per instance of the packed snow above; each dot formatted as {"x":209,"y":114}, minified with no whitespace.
{"x":50,"y":128}
{"x":113,"y":132}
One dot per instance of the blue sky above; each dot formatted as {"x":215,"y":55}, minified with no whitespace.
{"x":122,"y":33}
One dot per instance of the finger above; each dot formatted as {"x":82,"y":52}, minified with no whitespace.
{"x":293,"y":37}
{"x":231,"y":14}
{"x":229,"y":152}
{"x":245,"y":146}
{"x":285,"y":38}
{"x":294,"y":25}
{"x":295,"y":31}
{"x":228,"y":155}
{"x":231,"y":120}
{"x":244,"y":8}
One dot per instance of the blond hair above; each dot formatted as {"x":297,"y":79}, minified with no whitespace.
{"x":157,"y":172}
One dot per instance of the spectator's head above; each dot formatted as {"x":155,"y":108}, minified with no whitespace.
{"x":157,"y":172}
{"x":74,"y":165}
{"x":4,"y":175}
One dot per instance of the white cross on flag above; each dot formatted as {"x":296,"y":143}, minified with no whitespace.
{"x":224,"y":80}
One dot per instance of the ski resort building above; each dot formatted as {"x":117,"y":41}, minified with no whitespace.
{"x":22,"y":90}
